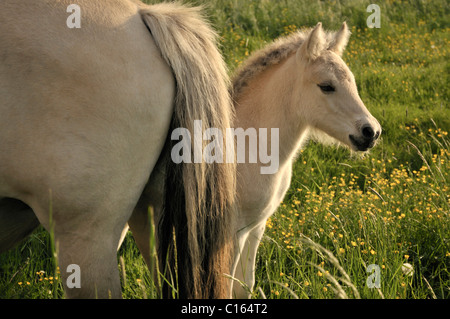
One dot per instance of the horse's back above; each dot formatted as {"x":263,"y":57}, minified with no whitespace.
{"x":79,"y":106}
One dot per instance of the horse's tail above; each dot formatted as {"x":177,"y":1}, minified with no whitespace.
{"x":195,"y":238}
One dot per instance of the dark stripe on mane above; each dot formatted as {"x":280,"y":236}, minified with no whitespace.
{"x":264,"y":58}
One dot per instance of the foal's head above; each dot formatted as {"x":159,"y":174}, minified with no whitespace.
{"x":328,"y":92}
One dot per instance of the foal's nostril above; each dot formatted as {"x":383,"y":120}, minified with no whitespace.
{"x":368,"y":132}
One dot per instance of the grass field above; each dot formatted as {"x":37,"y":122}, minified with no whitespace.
{"x":387,"y":208}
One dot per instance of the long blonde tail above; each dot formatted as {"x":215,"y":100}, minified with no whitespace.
{"x":196,"y":230}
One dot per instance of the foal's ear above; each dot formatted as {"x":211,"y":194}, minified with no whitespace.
{"x":340,"y":40}
{"x":313,"y":45}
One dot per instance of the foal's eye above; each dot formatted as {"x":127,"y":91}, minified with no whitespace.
{"x":326,"y":88}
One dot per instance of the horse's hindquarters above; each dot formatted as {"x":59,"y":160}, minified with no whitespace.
{"x":84,"y":116}
{"x":80,"y":107}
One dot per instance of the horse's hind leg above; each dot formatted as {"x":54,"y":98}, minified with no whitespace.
{"x":96,"y":274}
{"x":140,"y":227}
{"x":90,"y":244}
{"x":86,"y":236}
{"x":140,"y":223}
{"x":17,"y":221}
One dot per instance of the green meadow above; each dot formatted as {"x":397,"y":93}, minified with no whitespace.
{"x":344,"y":211}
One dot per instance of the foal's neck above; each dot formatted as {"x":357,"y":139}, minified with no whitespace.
{"x":268,"y":102}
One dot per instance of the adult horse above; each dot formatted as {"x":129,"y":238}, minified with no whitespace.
{"x":84,"y":116}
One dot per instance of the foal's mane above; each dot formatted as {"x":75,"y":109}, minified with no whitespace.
{"x":264,"y":58}
{"x":268,"y":56}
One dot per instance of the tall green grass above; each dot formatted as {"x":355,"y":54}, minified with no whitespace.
{"x":343,"y":212}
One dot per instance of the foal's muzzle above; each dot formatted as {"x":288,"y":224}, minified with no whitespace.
{"x":367,"y":139}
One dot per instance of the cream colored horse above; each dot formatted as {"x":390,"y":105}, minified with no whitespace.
{"x":298,"y":84}
{"x":84,"y":115}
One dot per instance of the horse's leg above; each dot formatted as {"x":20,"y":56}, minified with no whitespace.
{"x":17,"y":221}
{"x":123,"y":235}
{"x":87,"y":229}
{"x":89,"y":240}
{"x":140,"y":223}
{"x":245,"y":268}
{"x":140,"y":226}
{"x":97,"y":261}
{"x":237,"y":291}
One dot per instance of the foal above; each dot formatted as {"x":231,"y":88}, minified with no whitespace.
{"x":296,"y":84}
